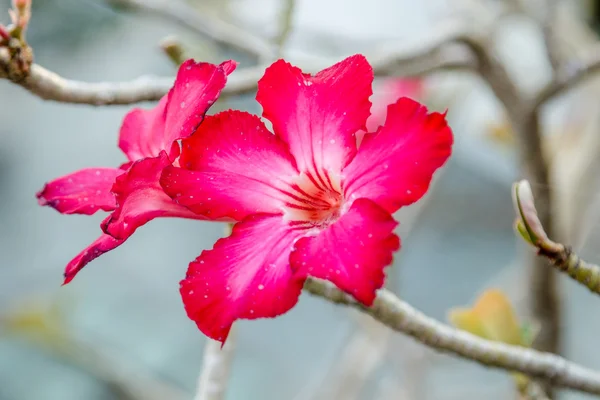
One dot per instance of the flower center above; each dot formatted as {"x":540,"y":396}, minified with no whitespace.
{"x":316,"y":200}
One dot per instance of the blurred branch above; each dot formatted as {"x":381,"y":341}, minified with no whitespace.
{"x":532,"y":230}
{"x":216,"y":366}
{"x":42,"y":323}
{"x":525,"y":123}
{"x":402,"y":317}
{"x":216,"y":363}
{"x":569,"y":76}
{"x":173,"y":49}
{"x":286,"y":19}
{"x":532,"y":391}
{"x":363,"y":352}
{"x":220,"y":31}
{"x":551,"y":36}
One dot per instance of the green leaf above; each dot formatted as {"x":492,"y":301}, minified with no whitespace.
{"x":529,"y":331}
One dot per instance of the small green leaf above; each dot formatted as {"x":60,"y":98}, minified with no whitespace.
{"x":529,"y":331}
{"x":522,"y":231}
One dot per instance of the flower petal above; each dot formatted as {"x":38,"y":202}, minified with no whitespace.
{"x":141,"y":199}
{"x":352,"y":252}
{"x":142,"y":132}
{"x":232,"y":167}
{"x":318,"y":116}
{"x":83,"y":192}
{"x":244,"y":276}
{"x":145,"y":133}
{"x":390,"y":90}
{"x":103,"y":244}
{"x":395,"y":165}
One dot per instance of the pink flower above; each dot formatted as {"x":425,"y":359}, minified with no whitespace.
{"x":148,"y":138}
{"x":308,"y":201}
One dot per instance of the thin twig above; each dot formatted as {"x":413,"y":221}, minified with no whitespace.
{"x":551,"y":36}
{"x":286,"y":19}
{"x":220,"y":31}
{"x":402,"y":317}
{"x":569,"y":77}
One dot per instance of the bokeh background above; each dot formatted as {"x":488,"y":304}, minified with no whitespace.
{"x":119,"y":331}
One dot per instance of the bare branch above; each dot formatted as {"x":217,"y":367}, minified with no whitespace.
{"x":220,"y":31}
{"x":437,"y":54}
{"x":402,"y":317}
{"x":570,"y":76}
{"x":286,"y":19}
{"x":51,"y":86}
{"x":216,"y":366}
{"x":551,"y":36}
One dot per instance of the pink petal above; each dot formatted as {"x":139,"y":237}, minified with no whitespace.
{"x":141,"y":199}
{"x":145,"y":133}
{"x":142,"y":132}
{"x":395,"y":165}
{"x":389,"y":92}
{"x":231,"y":167}
{"x":83,"y":192}
{"x":100,"y":246}
{"x":319,"y":115}
{"x":245,"y":276}
{"x":228,"y":66}
{"x":352,"y":252}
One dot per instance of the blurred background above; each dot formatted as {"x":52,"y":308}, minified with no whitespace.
{"x":119,"y":331}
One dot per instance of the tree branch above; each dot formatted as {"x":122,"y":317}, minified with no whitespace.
{"x":570,"y":76}
{"x":551,"y":36}
{"x":220,"y":31}
{"x":50,"y":86}
{"x":401,"y":317}
{"x":407,"y":60}
{"x":216,"y":366}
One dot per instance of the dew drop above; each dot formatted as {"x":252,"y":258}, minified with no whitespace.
{"x":261,"y":286}
{"x":182,"y":104}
